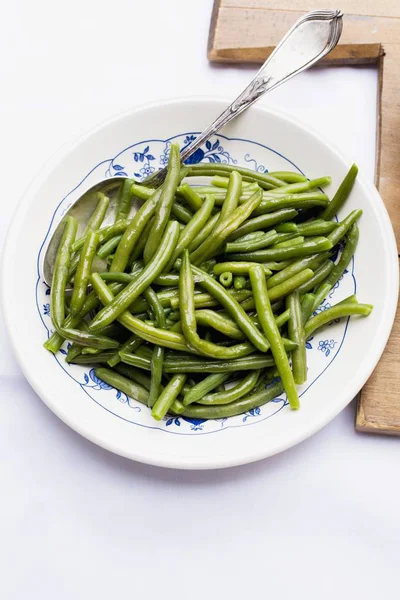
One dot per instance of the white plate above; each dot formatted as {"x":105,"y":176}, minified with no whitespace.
{"x":340,"y":358}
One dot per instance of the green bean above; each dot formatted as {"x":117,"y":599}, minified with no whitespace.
{"x":318,"y":244}
{"x":288,"y":176}
{"x":226,"y":279}
{"x":219,"y":322}
{"x":288,"y":227}
{"x":140,"y":362}
{"x":206,"y":385}
{"x":85,"y":338}
{"x":131,"y":344}
{"x":239,"y":282}
{"x":133,"y":232}
{"x":319,"y":276}
{"x":341,"y":195}
{"x":263,"y":179}
{"x":300,"y":201}
{"x":249,"y":363}
{"x":320,"y":294}
{"x":346,"y":256}
{"x":344,"y":309}
{"x":235,"y":408}
{"x":124,"y":199}
{"x":244,"y":387}
{"x":223,"y":228}
{"x":109,"y":247}
{"x":95,"y":359}
{"x":237,"y":268}
{"x":194,"y":226}
{"x":232,"y":195}
{"x":223,"y":182}
{"x":60,"y":273}
{"x":303,"y":186}
{"x":307,"y":304}
{"x":73,"y":351}
{"x":83,"y":271}
{"x":337,"y":234}
{"x":189,"y":326}
{"x":191,"y":196}
{"x":296,"y":333}
{"x":105,"y":234}
{"x":204,"y":233}
{"x":119,"y":382}
{"x":140,"y":282}
{"x":140,"y":244}
{"x":157,"y":359}
{"x":163,"y":208}
{"x":233,"y":307}
{"x":141,"y":191}
{"x":317,"y":227}
{"x":263,"y":222}
{"x":98,"y":214}
{"x":267,"y":239}
{"x":168,"y":396}
{"x":134,"y":374}
{"x":203,"y":300}
{"x":268,"y":323}
{"x":181,"y":213}
{"x":309,"y":262}
{"x":296,"y":241}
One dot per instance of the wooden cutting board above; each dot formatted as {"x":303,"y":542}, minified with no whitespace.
{"x":247,"y":31}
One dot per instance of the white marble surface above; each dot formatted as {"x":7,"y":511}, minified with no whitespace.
{"x":318,"y":521}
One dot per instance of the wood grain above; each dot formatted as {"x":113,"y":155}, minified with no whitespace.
{"x":247,"y":31}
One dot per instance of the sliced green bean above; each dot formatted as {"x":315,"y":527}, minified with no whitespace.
{"x":268,"y":323}
{"x":226,"y":279}
{"x":239,"y":282}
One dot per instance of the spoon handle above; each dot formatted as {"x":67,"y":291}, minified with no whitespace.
{"x":311,"y":38}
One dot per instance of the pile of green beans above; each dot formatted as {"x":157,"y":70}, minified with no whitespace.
{"x":208,"y":293}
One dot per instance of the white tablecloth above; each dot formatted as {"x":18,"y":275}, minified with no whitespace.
{"x":318,"y":521}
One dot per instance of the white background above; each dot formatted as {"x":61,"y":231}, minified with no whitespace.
{"x":76,"y":522}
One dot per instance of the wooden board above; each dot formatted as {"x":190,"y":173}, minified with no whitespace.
{"x":247,"y":31}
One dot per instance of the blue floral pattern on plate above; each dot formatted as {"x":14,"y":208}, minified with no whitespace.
{"x":137,"y":161}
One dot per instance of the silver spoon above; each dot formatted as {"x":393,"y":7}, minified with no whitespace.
{"x":311,"y":38}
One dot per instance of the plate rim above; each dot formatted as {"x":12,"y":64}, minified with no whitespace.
{"x":181,"y":462}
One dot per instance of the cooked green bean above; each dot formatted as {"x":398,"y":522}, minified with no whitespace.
{"x":105,"y":234}
{"x":140,"y":244}
{"x":85,"y":338}
{"x":131,"y":344}
{"x":296,"y":334}
{"x":309,"y":262}
{"x":307,"y":305}
{"x":237,"y":268}
{"x":61,"y":271}
{"x":296,"y":241}
{"x":209,"y":383}
{"x":163,"y":208}
{"x":262,"y":179}
{"x":119,"y":382}
{"x":141,"y":282}
{"x":317,"y":227}
{"x":235,"y":408}
{"x":109,"y":247}
{"x":288,"y":176}
{"x":263,"y":222}
{"x":133,"y":232}
{"x":94,"y":359}
{"x":319,"y":276}
{"x":344,"y":309}
{"x":168,"y":396}
{"x":191,"y":196}
{"x":301,"y":201}
{"x":83,"y":271}
{"x":223,"y":228}
{"x":233,"y":307}
{"x":124,"y":200}
{"x":318,"y":244}
{"x":239,"y":282}
{"x":194,"y":226}
{"x":157,"y":358}
{"x":181,"y":213}
{"x":136,"y":375}
{"x":337,"y":234}
{"x":320,"y":294}
{"x":268,"y":323}
{"x":341,"y":195}
{"x":232,"y":195}
{"x":288,"y":227}
{"x":249,"y":363}
{"x":204,"y":233}
{"x":267,"y":239}
{"x":242,"y":388}
{"x":345,"y":257}
{"x":304,"y":186}
{"x":226,"y":279}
